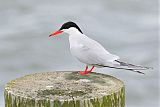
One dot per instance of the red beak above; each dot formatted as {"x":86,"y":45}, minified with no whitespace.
{"x":55,"y":33}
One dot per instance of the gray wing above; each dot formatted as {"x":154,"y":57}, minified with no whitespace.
{"x":95,"y":52}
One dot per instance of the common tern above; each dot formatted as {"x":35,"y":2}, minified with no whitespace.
{"x":92,"y":53}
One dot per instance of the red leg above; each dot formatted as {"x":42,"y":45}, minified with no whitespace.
{"x":90,"y":69}
{"x":85,"y":72}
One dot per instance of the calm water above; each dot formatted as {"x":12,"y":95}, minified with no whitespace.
{"x":128,"y":28}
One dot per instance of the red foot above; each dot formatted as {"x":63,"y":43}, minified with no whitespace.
{"x":86,"y":72}
{"x":82,"y":72}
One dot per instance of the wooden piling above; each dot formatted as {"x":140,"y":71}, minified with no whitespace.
{"x":65,"y":89}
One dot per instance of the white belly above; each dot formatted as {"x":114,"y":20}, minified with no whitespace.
{"x":79,"y":53}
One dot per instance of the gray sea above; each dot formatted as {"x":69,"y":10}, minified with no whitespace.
{"x":127,"y":28}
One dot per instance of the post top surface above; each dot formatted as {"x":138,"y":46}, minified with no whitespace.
{"x":64,"y":85}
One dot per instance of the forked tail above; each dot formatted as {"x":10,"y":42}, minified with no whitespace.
{"x":138,"y":67}
{"x":128,"y":66}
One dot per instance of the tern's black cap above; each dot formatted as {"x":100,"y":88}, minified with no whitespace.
{"x":69,"y":24}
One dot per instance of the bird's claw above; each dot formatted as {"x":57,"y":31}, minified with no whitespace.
{"x":84,"y":72}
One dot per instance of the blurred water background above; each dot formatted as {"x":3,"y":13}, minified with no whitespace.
{"x":128,"y":28}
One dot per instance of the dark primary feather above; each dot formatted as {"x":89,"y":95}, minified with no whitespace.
{"x":130,"y":67}
{"x":134,"y":70}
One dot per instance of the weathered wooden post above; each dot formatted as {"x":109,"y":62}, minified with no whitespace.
{"x":65,"y":89}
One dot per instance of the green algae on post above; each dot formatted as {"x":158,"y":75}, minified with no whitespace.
{"x":65,"y":89}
